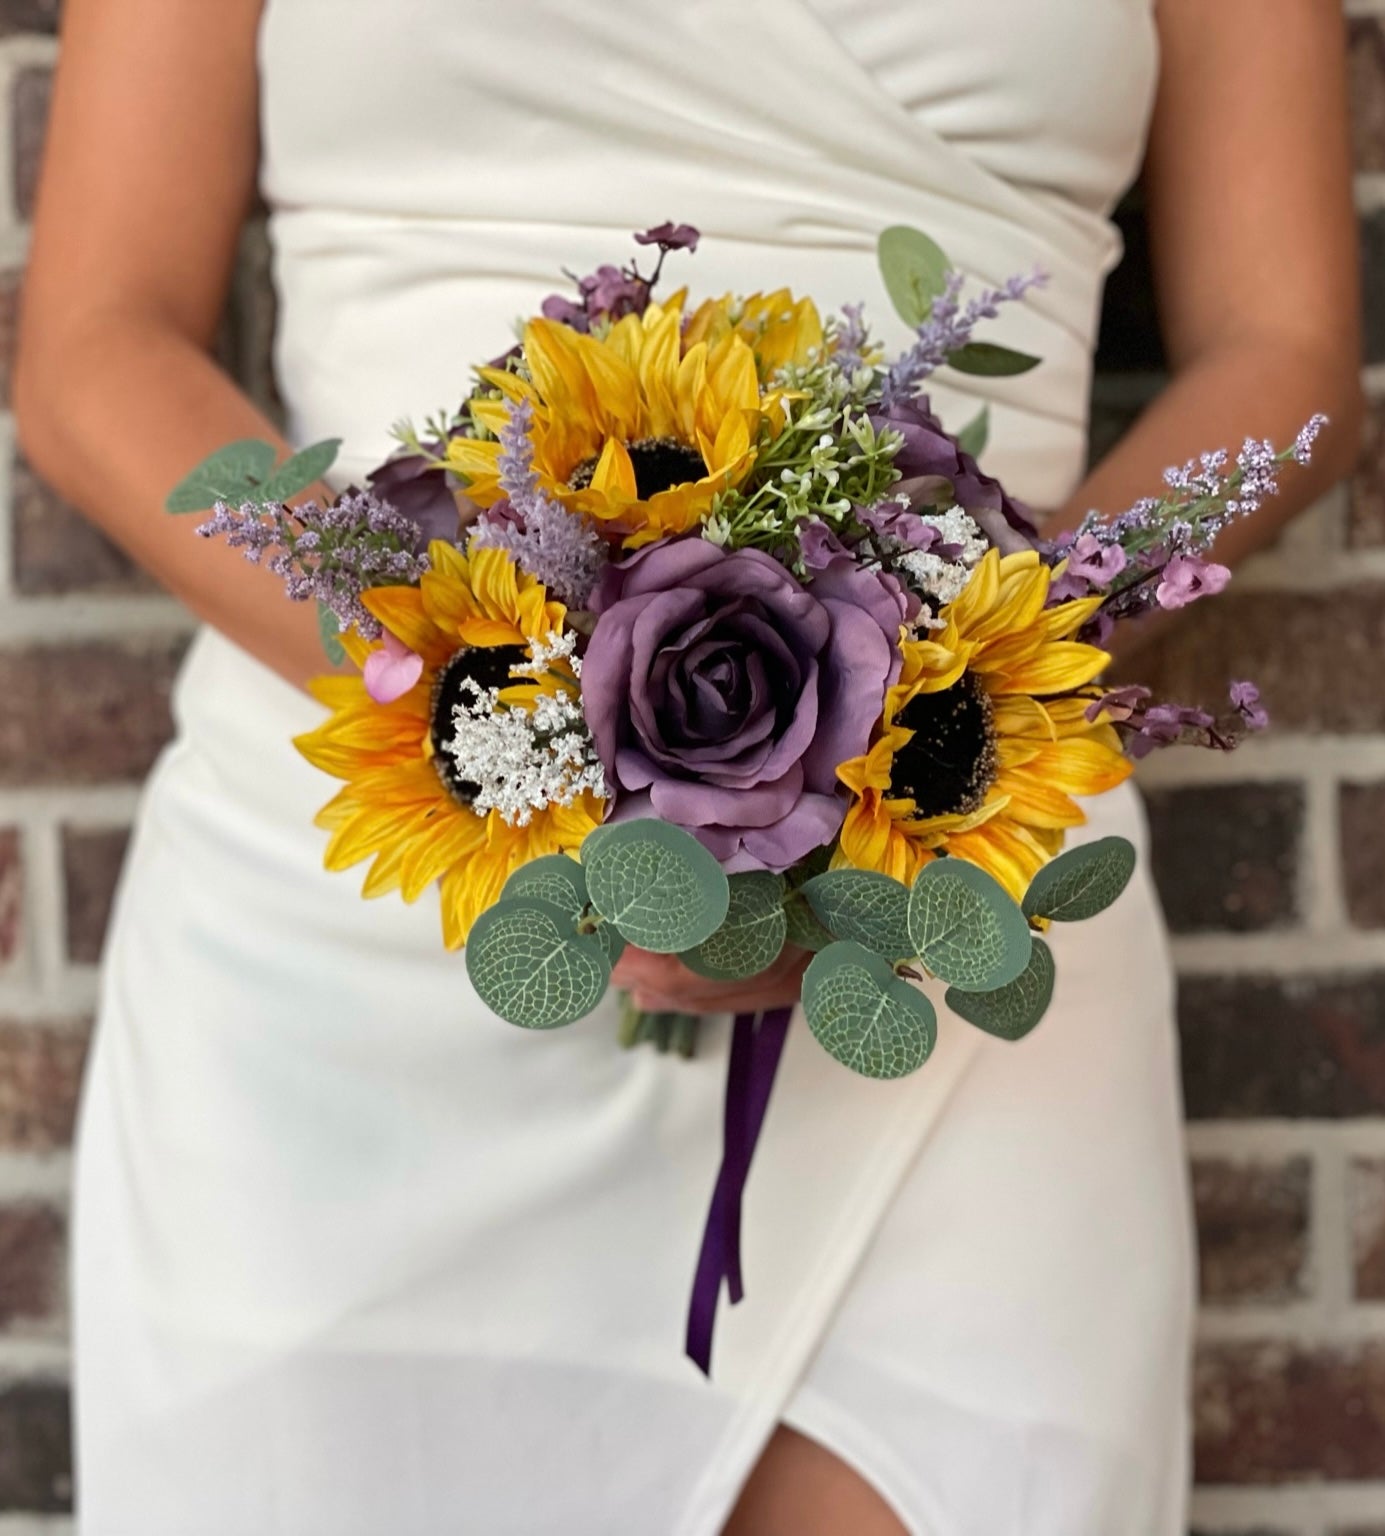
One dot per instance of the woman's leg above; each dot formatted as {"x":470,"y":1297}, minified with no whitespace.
{"x":798,"y":1488}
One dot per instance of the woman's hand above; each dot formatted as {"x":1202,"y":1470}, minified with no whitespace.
{"x":663,"y":984}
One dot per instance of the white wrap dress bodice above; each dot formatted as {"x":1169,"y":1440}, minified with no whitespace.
{"x":352,"y":1256}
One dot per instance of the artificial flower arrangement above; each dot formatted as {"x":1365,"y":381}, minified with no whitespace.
{"x":694,"y":629}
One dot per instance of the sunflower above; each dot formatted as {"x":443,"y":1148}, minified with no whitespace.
{"x":473,"y":618}
{"x":779,"y":329}
{"x":630,"y":427}
{"x":984,"y":740}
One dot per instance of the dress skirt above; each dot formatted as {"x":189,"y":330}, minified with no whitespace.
{"x":354,"y":1257}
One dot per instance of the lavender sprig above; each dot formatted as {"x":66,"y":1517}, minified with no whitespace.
{"x":561,"y":548}
{"x":1146,"y":726}
{"x":948,"y":329}
{"x":1153,"y":555}
{"x":332,"y":554}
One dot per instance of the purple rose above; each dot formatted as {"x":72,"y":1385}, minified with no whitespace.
{"x":424,"y":494}
{"x":930,"y":453}
{"x":722,"y":694}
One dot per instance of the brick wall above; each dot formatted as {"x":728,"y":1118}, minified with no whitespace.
{"x":1271,"y":863}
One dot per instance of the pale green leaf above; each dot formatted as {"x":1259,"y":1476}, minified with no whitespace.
{"x":965,"y":928}
{"x":301,"y":471}
{"x":864,"y":1015}
{"x":752,"y":934}
{"x":329,"y":632}
{"x":1081,"y":882}
{"x":986,"y":360}
{"x":976,"y":434}
{"x":866,"y":907}
{"x":804,"y":930}
{"x":656,"y":883}
{"x":559,"y":880}
{"x":1010,"y":1012}
{"x":914,"y":270}
{"x":233,"y":474}
{"x":528,"y":964}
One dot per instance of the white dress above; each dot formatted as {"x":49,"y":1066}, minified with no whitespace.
{"x":355,"y":1258}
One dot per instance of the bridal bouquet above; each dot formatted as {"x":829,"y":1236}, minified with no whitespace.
{"x":693,"y":629}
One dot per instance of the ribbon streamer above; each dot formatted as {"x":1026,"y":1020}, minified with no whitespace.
{"x":757,"y":1043}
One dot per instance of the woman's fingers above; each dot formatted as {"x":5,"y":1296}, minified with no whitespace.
{"x":664,"y":983}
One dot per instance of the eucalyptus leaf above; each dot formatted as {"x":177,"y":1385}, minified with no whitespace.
{"x":914,"y":270}
{"x":864,"y":1015}
{"x":866,"y":907}
{"x":752,"y":934}
{"x":965,"y":928}
{"x":529,"y":964}
{"x":986,"y":360}
{"x":1010,"y":1012}
{"x":299,"y":472}
{"x":656,"y":883}
{"x":804,"y":930}
{"x":555,"y":878}
{"x":329,"y":632}
{"x":232,"y":474}
{"x":561,"y":881}
{"x":976,"y":434}
{"x":1081,"y":882}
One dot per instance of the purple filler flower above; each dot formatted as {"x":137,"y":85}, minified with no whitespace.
{"x":819,"y":546}
{"x":929,"y":453}
{"x":722,"y":694}
{"x":669,"y":236}
{"x":1091,"y":565}
{"x":1245,"y":698}
{"x":1187,"y":578}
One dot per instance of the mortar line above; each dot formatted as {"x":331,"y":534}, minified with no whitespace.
{"x":1320,"y":877}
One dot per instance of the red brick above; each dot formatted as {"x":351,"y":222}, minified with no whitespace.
{"x":1366,"y":519}
{"x":11,"y":895}
{"x":91,"y":867}
{"x":1362,"y":809}
{"x":1272,"y":1412}
{"x":33,"y":88}
{"x":1261,"y":1047}
{"x":1225,"y":856}
{"x":40,"y":1079}
{"x":1252,"y":1223}
{"x":88,"y":713}
{"x":28,"y":16}
{"x":35,"y":1449}
{"x":1372,"y":262}
{"x":1366,"y":1195}
{"x":32,"y":1260}
{"x":57,"y":551}
{"x":1366,"y":62}
{"x":9,"y":331}
{"x":1315,"y":655}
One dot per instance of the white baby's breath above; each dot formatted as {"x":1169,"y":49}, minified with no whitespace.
{"x":523,"y":760}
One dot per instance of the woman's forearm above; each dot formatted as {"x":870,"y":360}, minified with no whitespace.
{"x":1261,"y":389}
{"x":113,"y":415}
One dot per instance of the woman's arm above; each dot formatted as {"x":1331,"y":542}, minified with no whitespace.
{"x":1253,"y":237}
{"x":149,"y":171}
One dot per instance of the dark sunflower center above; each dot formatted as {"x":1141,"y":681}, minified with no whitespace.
{"x":950,"y":763}
{"x":488,"y":666}
{"x":659,"y":463}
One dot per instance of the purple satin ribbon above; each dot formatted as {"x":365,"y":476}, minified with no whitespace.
{"x":757,"y":1042}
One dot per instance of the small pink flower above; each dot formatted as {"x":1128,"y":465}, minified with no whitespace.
{"x":391,"y":670}
{"x":1186,"y":578}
